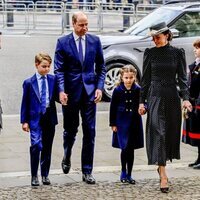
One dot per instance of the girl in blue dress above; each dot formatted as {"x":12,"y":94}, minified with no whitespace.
{"x":125,"y":121}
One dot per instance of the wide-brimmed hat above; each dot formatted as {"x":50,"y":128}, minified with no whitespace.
{"x":158,"y":28}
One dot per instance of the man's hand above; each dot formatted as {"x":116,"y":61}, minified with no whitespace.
{"x":114,"y":129}
{"x":25,"y":127}
{"x":141,"y":109}
{"x":63,"y":97}
{"x":98,"y":96}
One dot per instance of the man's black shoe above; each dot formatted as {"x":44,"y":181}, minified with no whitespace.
{"x":66,"y":165}
{"x":45,"y":180}
{"x":195,"y":163}
{"x":196,"y":166}
{"x":88,"y":178}
{"x":34,"y":181}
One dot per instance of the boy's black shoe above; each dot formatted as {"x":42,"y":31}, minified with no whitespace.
{"x":196,"y":166}
{"x":88,"y":178}
{"x":66,"y":165}
{"x":34,"y":181}
{"x":45,"y":180}
{"x":195,"y":163}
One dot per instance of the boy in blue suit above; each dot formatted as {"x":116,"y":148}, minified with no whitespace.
{"x":39,"y":116}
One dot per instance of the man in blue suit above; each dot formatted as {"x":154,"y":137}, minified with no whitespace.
{"x":80,"y":70}
{"x":39,"y":116}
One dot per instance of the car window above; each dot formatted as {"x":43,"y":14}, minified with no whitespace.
{"x":159,"y":15}
{"x":188,"y":25}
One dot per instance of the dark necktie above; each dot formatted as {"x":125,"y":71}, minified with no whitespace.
{"x":43,"y":95}
{"x":80,"y":50}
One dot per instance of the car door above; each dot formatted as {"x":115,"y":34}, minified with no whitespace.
{"x":188,"y":29}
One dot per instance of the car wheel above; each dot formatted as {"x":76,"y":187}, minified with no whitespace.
{"x":112,"y":77}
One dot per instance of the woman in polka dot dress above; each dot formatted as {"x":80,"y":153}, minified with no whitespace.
{"x":164,"y":67}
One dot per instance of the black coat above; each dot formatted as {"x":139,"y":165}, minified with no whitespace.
{"x":124,"y":114}
{"x":191,"y":126}
{"x":1,"y":123}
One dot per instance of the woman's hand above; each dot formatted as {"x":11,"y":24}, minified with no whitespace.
{"x":187,"y":105}
{"x":141,"y":109}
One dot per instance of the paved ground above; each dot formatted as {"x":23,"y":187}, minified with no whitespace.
{"x":180,"y":188}
{"x":15,"y":175}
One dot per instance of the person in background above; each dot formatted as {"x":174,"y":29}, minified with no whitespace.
{"x":125,"y":121}
{"x":164,"y":67}
{"x":191,"y":126}
{"x":80,"y":69}
{"x":1,"y":121}
{"x":39,"y":116}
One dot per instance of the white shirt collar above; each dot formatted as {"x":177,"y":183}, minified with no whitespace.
{"x":197,"y":61}
{"x":39,"y":75}
{"x":76,"y":37}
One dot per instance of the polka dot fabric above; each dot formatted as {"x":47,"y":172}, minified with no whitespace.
{"x":163,"y":69}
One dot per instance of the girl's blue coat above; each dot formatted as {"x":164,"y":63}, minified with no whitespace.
{"x":124,"y":115}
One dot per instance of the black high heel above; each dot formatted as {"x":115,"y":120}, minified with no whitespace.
{"x":164,"y":189}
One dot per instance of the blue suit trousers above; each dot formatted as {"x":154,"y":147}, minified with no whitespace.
{"x":87,"y":110}
{"x":41,"y":145}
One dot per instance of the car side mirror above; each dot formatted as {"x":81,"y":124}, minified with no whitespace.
{"x":175,"y":32}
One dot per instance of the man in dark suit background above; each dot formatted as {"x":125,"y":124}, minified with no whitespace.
{"x":1,"y":123}
{"x":80,"y":70}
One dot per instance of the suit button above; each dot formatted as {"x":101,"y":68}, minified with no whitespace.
{"x":130,"y":101}
{"x":126,"y":110}
{"x":130,"y":110}
{"x":126,"y":101}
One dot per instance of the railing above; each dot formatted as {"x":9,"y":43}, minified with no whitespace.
{"x":54,"y":17}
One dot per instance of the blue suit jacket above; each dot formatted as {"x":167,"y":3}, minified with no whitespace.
{"x":71,"y":75}
{"x":31,"y":103}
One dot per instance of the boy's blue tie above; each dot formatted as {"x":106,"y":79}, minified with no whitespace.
{"x":43,"y":95}
{"x":80,"y":50}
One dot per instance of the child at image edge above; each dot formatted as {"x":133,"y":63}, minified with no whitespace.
{"x":125,"y":121}
{"x":39,"y":116}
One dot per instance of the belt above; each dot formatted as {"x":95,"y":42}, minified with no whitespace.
{"x":164,"y":82}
